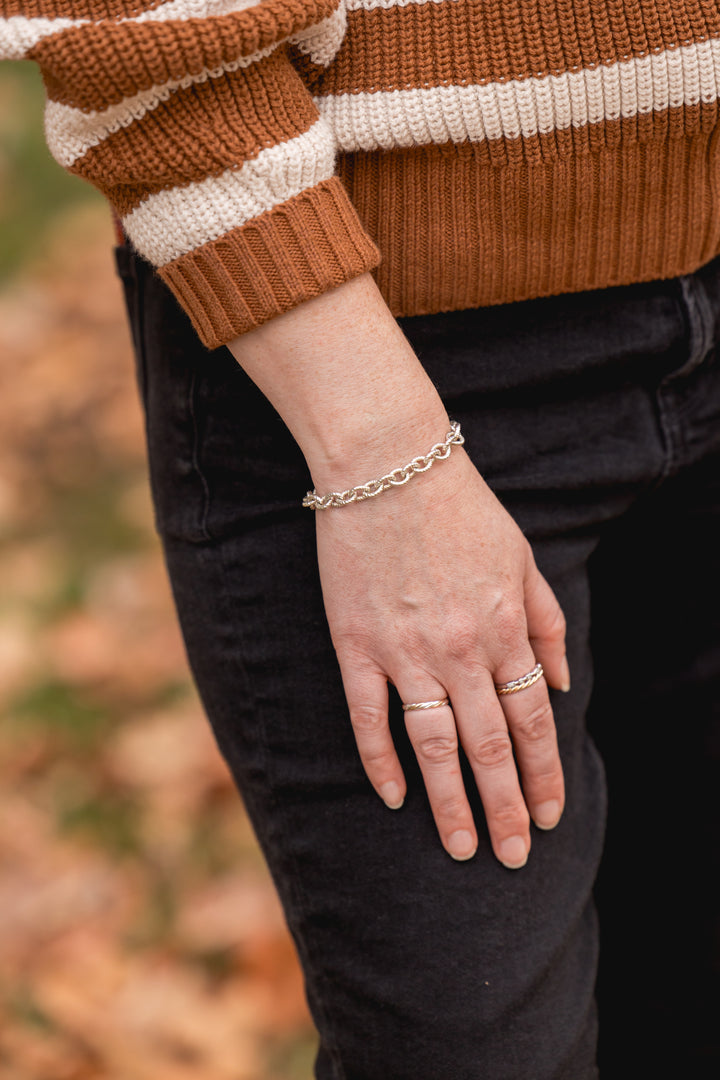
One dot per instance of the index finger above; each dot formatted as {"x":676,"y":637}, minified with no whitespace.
{"x":367,"y":697}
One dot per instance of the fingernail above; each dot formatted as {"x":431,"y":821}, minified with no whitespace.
{"x":462,"y":844}
{"x":513,"y":852}
{"x":547,"y":814}
{"x":390,"y":794}
{"x":565,"y":675}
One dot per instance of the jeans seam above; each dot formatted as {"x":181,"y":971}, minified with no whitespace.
{"x":196,"y":457}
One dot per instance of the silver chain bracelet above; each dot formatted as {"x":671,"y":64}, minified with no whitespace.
{"x":396,"y":478}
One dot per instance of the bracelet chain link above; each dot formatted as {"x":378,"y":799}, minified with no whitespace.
{"x":396,"y":478}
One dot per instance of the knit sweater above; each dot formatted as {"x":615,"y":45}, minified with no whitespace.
{"x":467,"y":152}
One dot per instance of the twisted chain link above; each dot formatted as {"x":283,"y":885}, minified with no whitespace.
{"x":396,"y":478}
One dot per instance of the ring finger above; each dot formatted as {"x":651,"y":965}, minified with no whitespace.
{"x":532,"y":727}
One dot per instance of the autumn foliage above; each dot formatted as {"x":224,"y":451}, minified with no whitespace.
{"x":140,"y":937}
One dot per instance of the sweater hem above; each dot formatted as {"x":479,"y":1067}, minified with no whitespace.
{"x":483,"y":236}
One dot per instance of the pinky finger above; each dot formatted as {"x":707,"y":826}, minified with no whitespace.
{"x":546,"y":629}
{"x":367,"y":697}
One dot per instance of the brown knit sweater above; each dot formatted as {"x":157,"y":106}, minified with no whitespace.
{"x":468,"y":152}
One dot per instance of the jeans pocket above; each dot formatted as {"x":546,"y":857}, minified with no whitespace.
{"x":221,"y":458}
{"x":168,"y":361}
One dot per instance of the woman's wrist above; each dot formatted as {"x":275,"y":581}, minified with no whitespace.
{"x":398,"y":476}
{"x":368,"y":450}
{"x":347,"y":383}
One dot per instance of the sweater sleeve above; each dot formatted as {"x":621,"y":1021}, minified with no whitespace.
{"x":192,"y":119}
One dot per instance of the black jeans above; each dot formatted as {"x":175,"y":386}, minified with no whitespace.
{"x":596,"y":419}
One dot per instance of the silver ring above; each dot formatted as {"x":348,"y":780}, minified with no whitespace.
{"x":522,"y":683}
{"x":426,"y":704}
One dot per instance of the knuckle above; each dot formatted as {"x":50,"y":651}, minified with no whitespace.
{"x":351,"y":642}
{"x":437,"y":749}
{"x":490,"y":751}
{"x":417,"y":652}
{"x":381,"y":761}
{"x":557,"y":626}
{"x":463,"y":639}
{"x":537,"y":724}
{"x":453,"y":808}
{"x":510,"y":625}
{"x":368,"y":719}
{"x":546,"y":783}
{"x":512,"y":816}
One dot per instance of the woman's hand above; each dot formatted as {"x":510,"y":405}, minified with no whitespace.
{"x":430,"y":585}
{"x":433,"y":587}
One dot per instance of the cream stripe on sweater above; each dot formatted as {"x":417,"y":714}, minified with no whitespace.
{"x":171,"y":223}
{"x":687,"y":75}
{"x":683,"y":76}
{"x":18,"y":34}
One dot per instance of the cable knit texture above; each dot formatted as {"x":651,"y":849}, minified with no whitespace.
{"x":467,"y":152}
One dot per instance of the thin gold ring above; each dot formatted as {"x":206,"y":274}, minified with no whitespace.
{"x":426,"y":704}
{"x":515,"y":685}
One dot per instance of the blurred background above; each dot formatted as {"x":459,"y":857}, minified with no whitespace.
{"x":140,"y":937}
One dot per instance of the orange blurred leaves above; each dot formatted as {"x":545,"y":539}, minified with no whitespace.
{"x":140,"y":938}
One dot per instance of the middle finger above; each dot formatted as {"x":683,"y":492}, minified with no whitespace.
{"x":433,"y":735}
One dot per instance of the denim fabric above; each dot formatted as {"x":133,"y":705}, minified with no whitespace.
{"x":595,"y":418}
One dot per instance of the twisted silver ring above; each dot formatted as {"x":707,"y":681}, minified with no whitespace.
{"x":515,"y":685}
{"x":426,"y":704}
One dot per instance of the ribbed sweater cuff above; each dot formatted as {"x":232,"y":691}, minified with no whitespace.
{"x":300,"y":249}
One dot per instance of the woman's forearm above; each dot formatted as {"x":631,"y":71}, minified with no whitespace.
{"x":347,"y":383}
